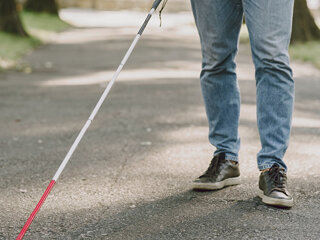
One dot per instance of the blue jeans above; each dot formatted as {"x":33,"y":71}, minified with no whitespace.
{"x":269,"y":23}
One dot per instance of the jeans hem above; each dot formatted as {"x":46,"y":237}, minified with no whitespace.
{"x":230,"y":157}
{"x":268,"y":165}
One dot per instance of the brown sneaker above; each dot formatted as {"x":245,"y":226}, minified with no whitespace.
{"x":273,"y":187}
{"x":221,"y":173}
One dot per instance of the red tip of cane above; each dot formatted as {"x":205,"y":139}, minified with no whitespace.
{"x":36,"y":210}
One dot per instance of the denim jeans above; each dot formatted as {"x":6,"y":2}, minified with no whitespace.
{"x":269,"y":23}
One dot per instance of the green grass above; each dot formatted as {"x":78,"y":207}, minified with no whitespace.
{"x":307,"y":52}
{"x":14,"y":47}
{"x":40,"y":26}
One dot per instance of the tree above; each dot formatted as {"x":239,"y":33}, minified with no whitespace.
{"x":9,"y":18}
{"x":304,"y":27}
{"x":47,"y":6}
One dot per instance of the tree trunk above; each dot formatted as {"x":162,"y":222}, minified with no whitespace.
{"x":9,"y":18}
{"x":304,"y":27}
{"x":47,"y":6}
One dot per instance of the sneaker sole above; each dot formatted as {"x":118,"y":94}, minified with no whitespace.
{"x":275,"y":201}
{"x":216,"y":185}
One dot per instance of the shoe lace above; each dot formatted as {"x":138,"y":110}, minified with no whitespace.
{"x":278,"y":176}
{"x":212,"y":167}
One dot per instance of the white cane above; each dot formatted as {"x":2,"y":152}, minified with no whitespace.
{"x":87,"y":124}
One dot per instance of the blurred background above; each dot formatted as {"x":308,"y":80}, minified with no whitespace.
{"x":175,"y":5}
{"x":129,"y":178}
{"x":25,"y":24}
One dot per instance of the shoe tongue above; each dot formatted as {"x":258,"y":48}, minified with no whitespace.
{"x":276,"y":167}
{"x":222,"y":156}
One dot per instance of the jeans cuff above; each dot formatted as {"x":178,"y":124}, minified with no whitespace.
{"x":232,"y":157}
{"x":269,"y":165}
{"x":228,"y":155}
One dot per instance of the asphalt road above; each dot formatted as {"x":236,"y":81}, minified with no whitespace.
{"x":130,"y":176}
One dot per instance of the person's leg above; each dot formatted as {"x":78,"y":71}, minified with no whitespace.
{"x":269,"y":23}
{"x":218,"y":23}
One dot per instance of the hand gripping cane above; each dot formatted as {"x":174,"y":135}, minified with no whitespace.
{"x":87,"y":124}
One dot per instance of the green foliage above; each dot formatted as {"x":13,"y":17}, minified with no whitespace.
{"x":307,"y":52}
{"x":40,"y":26}
{"x":15,"y":46}
{"x":42,"y":22}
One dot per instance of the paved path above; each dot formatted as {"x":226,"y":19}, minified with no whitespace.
{"x":129,"y":178}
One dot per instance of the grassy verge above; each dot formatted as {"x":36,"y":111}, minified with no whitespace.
{"x":42,"y":25}
{"x":41,"y":28}
{"x":307,"y":52}
{"x":14,"y":48}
